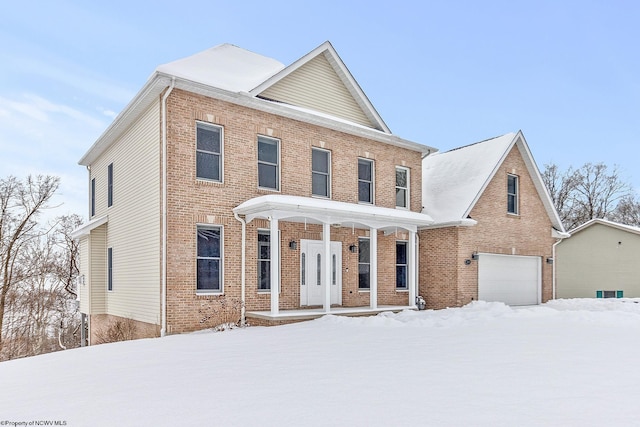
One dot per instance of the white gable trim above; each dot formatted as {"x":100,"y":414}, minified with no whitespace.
{"x":617,"y":225}
{"x":532,"y":168}
{"x":343,"y":73}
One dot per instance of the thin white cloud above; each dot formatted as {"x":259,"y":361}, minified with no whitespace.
{"x":40,"y":109}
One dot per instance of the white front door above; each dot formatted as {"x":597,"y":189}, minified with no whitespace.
{"x":312,"y":274}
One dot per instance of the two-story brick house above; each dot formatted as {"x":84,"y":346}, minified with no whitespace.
{"x":234,"y":187}
{"x":232,"y":177}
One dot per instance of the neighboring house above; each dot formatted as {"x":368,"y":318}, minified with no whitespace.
{"x":600,"y":260}
{"x":494,"y":229}
{"x":235,"y":187}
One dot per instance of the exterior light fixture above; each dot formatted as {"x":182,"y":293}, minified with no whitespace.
{"x":475,"y":256}
{"x":353,"y":249}
{"x":549,"y":260}
{"x":293,"y":245}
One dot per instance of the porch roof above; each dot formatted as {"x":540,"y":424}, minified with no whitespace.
{"x":322,"y":211}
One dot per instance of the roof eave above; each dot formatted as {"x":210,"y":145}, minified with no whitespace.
{"x":143,"y":99}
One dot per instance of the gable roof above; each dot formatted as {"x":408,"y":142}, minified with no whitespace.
{"x":623,"y":227}
{"x":338,"y":92}
{"x":241,"y":77}
{"x":454,"y":181}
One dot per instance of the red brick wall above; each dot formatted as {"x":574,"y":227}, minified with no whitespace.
{"x":192,"y":202}
{"x":528,"y":233}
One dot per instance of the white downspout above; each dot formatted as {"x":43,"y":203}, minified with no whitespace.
{"x":553,"y":269}
{"x":242,"y":273}
{"x":163,"y":330}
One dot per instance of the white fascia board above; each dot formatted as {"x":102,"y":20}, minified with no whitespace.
{"x":559,"y":234}
{"x":247,"y":100}
{"x":85,"y":230}
{"x":158,"y":82}
{"x":143,"y":99}
{"x":343,"y":73}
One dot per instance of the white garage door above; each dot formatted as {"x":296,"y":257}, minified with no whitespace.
{"x":514,"y":280}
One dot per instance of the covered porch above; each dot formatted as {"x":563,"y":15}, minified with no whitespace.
{"x":328,"y":214}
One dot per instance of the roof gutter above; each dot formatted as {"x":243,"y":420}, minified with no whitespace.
{"x":163,"y":328}
{"x":467,"y":222}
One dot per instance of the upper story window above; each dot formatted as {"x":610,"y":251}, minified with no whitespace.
{"x":208,"y":152}
{"x":93,"y":197}
{"x":320,"y":172}
{"x":209,"y":256}
{"x":110,"y":185}
{"x":365,"y":180}
{"x":268,"y":163}
{"x":512,"y":194}
{"x":402,"y":187}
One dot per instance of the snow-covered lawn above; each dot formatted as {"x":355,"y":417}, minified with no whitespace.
{"x":564,"y":363}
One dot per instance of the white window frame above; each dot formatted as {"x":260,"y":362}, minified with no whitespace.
{"x":220,"y":154}
{"x":110,"y":185}
{"x":277,"y":165}
{"x":407,"y":199}
{"x":406,"y":265}
{"x":361,"y":238}
{"x":110,"y":269}
{"x":372,"y":193}
{"x":268,"y":232}
{"x":328,"y":174}
{"x":516,"y":195}
{"x":92,"y":198}
{"x":221,"y":259}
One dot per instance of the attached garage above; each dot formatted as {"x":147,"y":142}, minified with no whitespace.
{"x":511,"y":279}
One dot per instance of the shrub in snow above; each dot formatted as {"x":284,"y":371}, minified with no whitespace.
{"x":221,"y":313}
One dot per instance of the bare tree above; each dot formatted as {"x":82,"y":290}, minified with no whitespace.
{"x":21,"y":202}
{"x":561,"y":187}
{"x":628,"y":211}
{"x":592,"y":191}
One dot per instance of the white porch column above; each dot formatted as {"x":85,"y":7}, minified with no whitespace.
{"x":373,"y":268}
{"x":326,"y":241}
{"x":274,"y":264}
{"x":412,"y":267}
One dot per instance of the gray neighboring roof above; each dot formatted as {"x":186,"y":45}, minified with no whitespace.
{"x":453,"y":181}
{"x":245,"y":72}
{"x":623,"y":227}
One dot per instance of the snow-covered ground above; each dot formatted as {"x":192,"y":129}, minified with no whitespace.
{"x":564,"y":363}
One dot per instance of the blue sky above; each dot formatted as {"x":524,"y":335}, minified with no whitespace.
{"x":443,"y":73}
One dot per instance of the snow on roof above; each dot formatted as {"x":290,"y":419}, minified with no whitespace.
{"x":226,"y":67}
{"x":453,"y":180}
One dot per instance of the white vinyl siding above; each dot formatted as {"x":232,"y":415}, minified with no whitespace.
{"x":98,"y":270}
{"x":317,"y":86}
{"x":83,"y":288}
{"x":134,"y":219}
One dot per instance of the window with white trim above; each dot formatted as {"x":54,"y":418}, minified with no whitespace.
{"x":264,"y":260}
{"x":512,"y":194}
{"x":93,"y":197}
{"x":401,"y":265}
{"x":209,"y":152}
{"x":209,"y":259}
{"x":320,"y":172}
{"x":110,"y":185}
{"x":364,"y":264}
{"x":365,"y":180}
{"x":268,"y":163}
{"x":402,"y":187}
{"x":109,"y":269}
